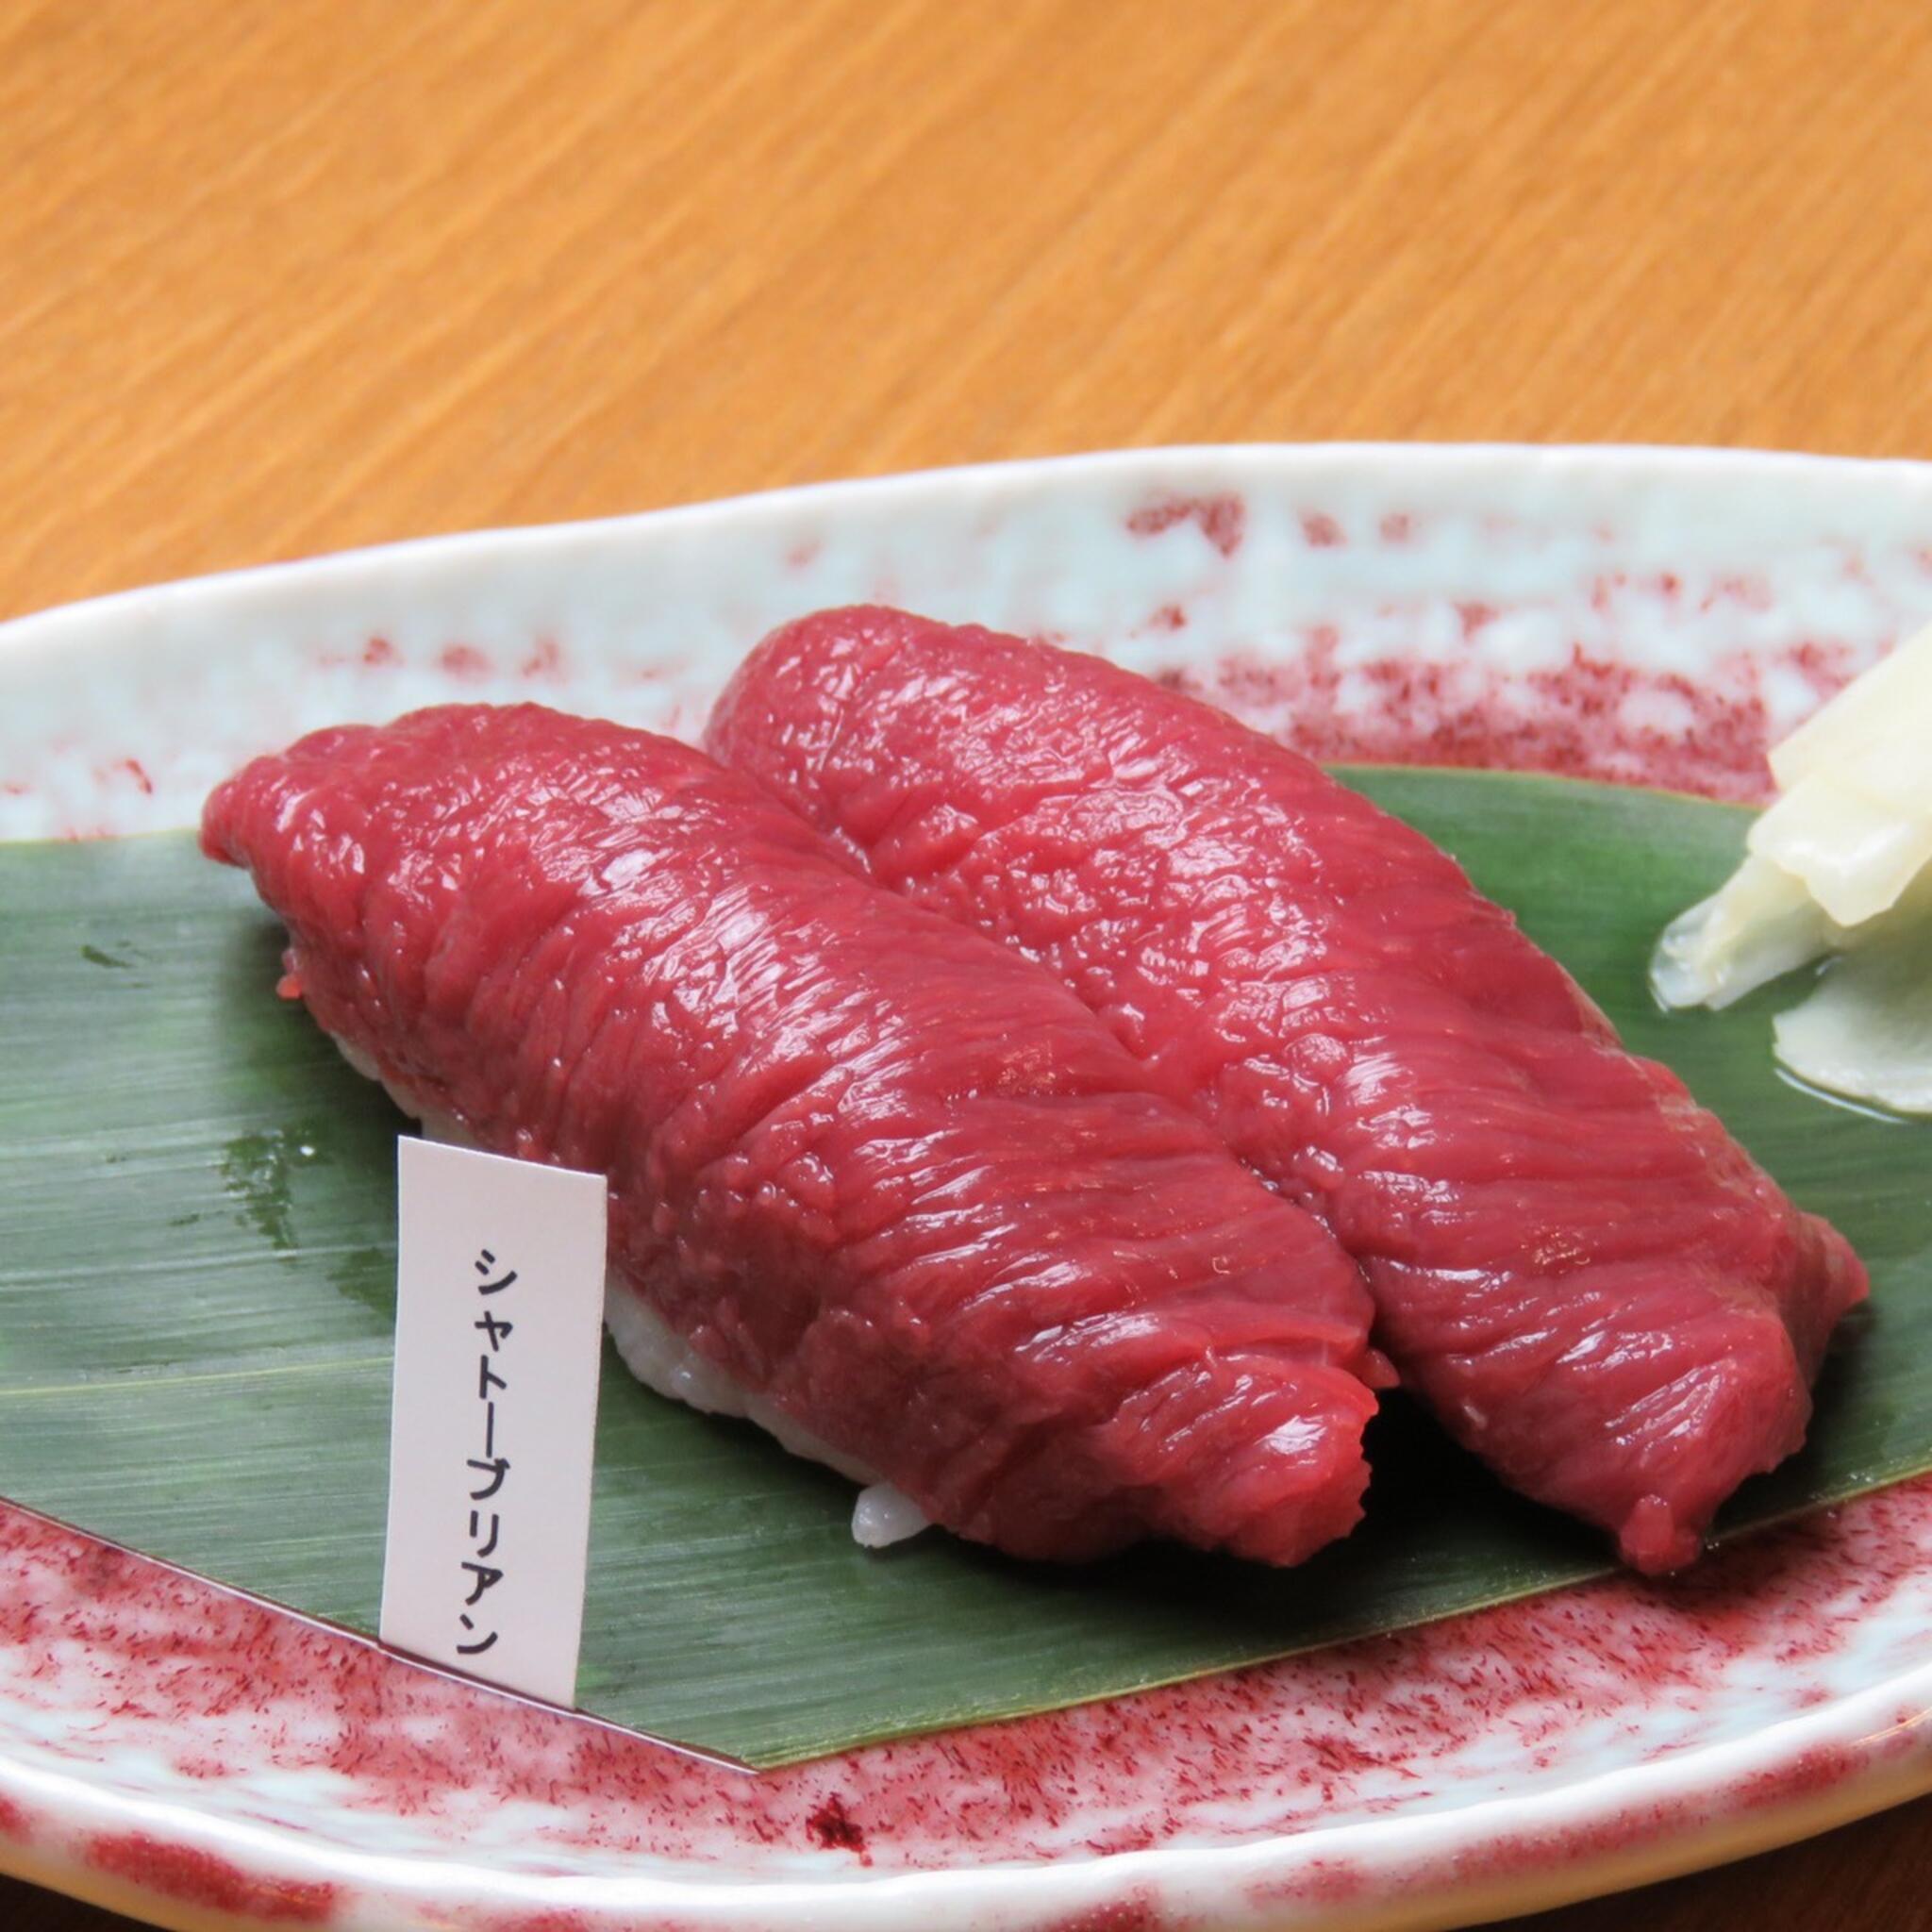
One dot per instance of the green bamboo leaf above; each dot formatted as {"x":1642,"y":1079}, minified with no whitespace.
{"x":196,"y":1297}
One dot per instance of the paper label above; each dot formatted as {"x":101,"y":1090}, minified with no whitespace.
{"x":499,"y":1330}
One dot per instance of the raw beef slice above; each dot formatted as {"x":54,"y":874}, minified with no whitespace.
{"x":887,"y":1174}
{"x":1576,"y":1267}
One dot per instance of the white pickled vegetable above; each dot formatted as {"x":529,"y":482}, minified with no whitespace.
{"x":1839,"y":864}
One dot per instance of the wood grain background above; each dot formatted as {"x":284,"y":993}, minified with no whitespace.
{"x":277,"y":278}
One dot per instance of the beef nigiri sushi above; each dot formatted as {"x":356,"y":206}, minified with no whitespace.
{"x":880,"y":1180}
{"x":1577,"y":1267}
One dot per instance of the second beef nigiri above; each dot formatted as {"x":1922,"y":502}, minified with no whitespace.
{"x":887,"y":1177}
{"x":1587,"y":1278}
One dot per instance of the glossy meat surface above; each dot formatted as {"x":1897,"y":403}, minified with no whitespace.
{"x":880,"y":1169}
{"x":1577,"y":1267}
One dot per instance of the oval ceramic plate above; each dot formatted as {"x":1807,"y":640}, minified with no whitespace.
{"x":197,"y":1758}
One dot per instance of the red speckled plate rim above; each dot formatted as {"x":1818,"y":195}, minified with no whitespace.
{"x":1626,"y":613}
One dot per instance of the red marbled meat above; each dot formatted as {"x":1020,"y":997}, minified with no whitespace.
{"x":1576,"y":1267}
{"x":887,"y":1173}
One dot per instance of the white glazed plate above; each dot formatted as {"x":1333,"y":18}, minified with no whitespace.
{"x":191,"y":1756}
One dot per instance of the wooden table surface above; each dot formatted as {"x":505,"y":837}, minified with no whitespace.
{"x":277,"y":278}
